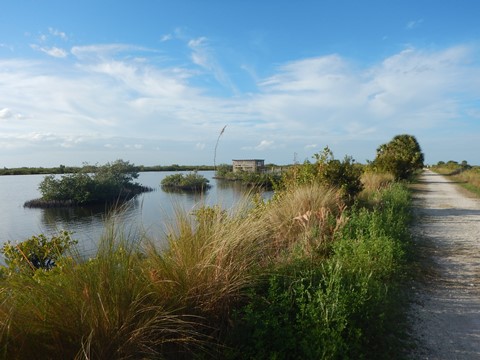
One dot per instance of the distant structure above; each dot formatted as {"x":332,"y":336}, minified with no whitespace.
{"x":253,"y":165}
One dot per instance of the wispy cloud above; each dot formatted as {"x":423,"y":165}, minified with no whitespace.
{"x":414,"y":24}
{"x":52,"y":51}
{"x":5,"y":113}
{"x":203,"y":56}
{"x":265,"y":144}
{"x":58,"y":33}
{"x":166,"y":37}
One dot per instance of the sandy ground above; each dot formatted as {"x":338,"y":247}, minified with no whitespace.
{"x":445,"y":314}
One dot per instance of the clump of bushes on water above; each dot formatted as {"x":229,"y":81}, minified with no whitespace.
{"x":302,"y":276}
{"x":264,"y":180}
{"x":90,"y":185}
{"x":185,"y":182}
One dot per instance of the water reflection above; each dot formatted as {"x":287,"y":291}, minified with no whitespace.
{"x":62,"y":216}
{"x":150,"y":211}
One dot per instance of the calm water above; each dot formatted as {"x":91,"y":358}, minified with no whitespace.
{"x":147,"y":212}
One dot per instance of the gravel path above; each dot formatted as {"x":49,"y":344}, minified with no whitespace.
{"x":445,"y":314}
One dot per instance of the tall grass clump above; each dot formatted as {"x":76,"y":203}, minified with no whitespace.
{"x":373,"y":182}
{"x":304,"y":218}
{"x":101,"y":308}
{"x":208,"y":263}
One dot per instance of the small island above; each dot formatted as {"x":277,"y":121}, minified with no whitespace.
{"x":90,"y":185}
{"x":189,"y":182}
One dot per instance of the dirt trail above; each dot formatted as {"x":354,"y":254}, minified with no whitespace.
{"x":445,"y":314}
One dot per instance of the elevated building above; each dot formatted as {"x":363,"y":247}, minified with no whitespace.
{"x":251,"y":165}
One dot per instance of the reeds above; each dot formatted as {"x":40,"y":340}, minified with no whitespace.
{"x":305,"y":217}
{"x":209,"y":259}
{"x":102,"y":308}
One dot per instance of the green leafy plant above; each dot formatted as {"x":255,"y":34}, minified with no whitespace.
{"x":37,"y":252}
{"x":344,"y":175}
{"x":189,"y":182}
{"x":402,"y":156}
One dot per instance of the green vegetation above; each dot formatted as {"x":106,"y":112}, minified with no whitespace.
{"x":466,"y":175}
{"x":38,"y":252}
{"x":402,"y":157}
{"x":110,"y":182}
{"x":313,"y":273}
{"x":188,"y":182}
{"x":62,"y":169}
{"x":344,"y":175}
{"x":264,"y":180}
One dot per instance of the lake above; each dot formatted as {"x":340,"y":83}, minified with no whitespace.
{"x":147,"y":212}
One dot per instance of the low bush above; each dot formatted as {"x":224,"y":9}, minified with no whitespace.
{"x":344,"y":175}
{"x":37,"y":252}
{"x":189,"y":182}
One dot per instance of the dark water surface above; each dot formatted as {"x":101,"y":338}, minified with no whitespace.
{"x":147,"y":212}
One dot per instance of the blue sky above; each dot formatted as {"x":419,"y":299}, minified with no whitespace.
{"x":154,"y":82}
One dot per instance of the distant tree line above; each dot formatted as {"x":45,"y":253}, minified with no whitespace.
{"x":62,"y":169}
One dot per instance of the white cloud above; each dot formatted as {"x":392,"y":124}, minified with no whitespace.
{"x":414,"y":24}
{"x":310,"y":146}
{"x":134,"y":146}
{"x":200,"y":53}
{"x":200,"y":146}
{"x":52,"y":51}
{"x":265,"y":144}
{"x":103,"y":52}
{"x":203,"y":56}
{"x":166,"y":37}
{"x":5,"y":113}
{"x":58,"y":33}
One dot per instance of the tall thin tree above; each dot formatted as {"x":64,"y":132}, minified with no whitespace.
{"x":216,"y":145}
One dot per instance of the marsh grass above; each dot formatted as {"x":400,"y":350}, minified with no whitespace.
{"x":102,"y":308}
{"x":373,"y":183}
{"x":305,"y":218}
{"x":208,"y":260}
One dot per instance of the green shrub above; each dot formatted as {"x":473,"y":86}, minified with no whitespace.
{"x":402,"y":157}
{"x":191,"y":182}
{"x":344,"y":175}
{"x":223,"y":169}
{"x":37,"y":252}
